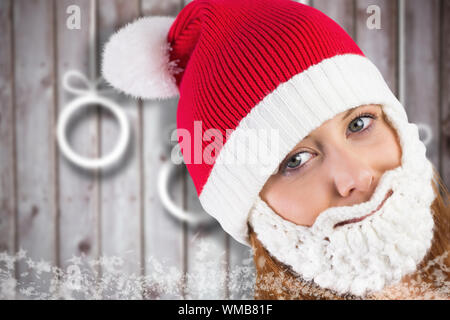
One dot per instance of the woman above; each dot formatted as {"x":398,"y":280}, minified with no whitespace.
{"x":340,"y":200}
{"x":333,"y":167}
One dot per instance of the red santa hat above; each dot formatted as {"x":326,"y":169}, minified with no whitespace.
{"x":258,"y":65}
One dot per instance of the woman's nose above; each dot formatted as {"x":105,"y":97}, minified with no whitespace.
{"x":351,"y":174}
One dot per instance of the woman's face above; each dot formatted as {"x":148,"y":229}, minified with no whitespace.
{"x":337,"y":164}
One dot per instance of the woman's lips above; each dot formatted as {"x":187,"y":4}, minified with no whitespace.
{"x":388,"y":194}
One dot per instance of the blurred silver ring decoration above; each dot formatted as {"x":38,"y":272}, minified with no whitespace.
{"x":425,"y":128}
{"x":89,"y":97}
{"x":192,"y":218}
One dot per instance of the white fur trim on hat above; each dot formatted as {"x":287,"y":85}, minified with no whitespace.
{"x":136,"y":59}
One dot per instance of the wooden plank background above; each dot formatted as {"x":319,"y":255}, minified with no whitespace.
{"x":56,"y":211}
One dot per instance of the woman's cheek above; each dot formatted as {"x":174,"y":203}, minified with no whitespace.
{"x":302,"y":205}
{"x":389,"y":152}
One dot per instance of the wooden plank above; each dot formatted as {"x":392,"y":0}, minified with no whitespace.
{"x":445,"y":94}
{"x":206,"y":254}
{"x":77,"y":187}
{"x":241,"y":271}
{"x":422,"y":68}
{"x":35,"y":108}
{"x":7,"y":150}
{"x":341,"y":11}
{"x":164,"y":235}
{"x":379,"y":45}
{"x":120,"y":186}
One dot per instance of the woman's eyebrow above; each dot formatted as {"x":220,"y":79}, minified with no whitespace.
{"x":348,"y":113}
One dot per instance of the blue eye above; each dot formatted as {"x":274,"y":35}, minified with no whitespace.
{"x":298,"y":159}
{"x":360,"y":122}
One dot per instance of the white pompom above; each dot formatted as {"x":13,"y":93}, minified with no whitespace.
{"x":136,"y":59}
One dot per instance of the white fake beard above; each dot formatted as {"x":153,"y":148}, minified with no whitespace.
{"x":365,"y":256}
